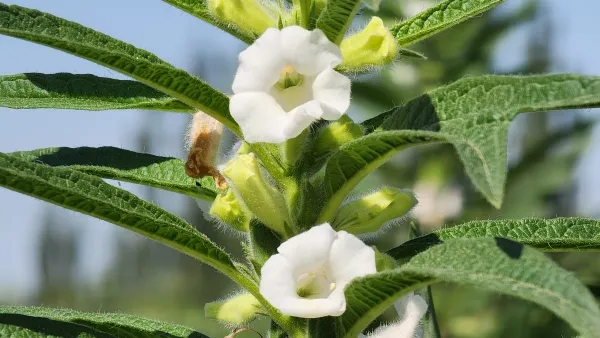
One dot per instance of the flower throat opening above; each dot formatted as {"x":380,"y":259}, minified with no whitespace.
{"x":314,"y":285}
{"x":288,"y":77}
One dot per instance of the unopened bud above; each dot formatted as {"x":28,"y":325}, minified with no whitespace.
{"x":248,"y":16}
{"x":203,"y":140}
{"x":336,"y":134}
{"x":371,"y":212}
{"x":229,"y":210}
{"x":373,"y":46}
{"x":263,"y":200}
{"x":237,"y":310}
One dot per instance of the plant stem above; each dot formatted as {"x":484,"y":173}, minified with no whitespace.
{"x":431,"y":328}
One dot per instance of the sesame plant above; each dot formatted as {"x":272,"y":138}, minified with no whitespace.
{"x":284,"y":189}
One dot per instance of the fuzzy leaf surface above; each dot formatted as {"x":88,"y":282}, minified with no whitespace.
{"x":37,"y":322}
{"x":160,"y":172}
{"x":92,"y":196}
{"x":49,"y":30}
{"x":473,"y":114}
{"x":437,"y":18}
{"x":337,"y":17}
{"x":493,"y":264}
{"x":82,"y":92}
{"x":554,"y":235}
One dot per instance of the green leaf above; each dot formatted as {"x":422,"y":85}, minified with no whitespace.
{"x":70,"y":37}
{"x":435,"y":19}
{"x":473,"y":114}
{"x":493,"y":264}
{"x":34,"y":322}
{"x":82,"y":92}
{"x":337,"y":17}
{"x":160,"y":172}
{"x":356,"y":159}
{"x":92,"y":196}
{"x":199,"y":9}
{"x":558,"y":234}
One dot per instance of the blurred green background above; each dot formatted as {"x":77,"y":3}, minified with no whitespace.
{"x":544,"y":151}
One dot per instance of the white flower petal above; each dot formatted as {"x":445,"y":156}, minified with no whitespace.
{"x":309,"y":249}
{"x":350,"y":258}
{"x":312,"y":308}
{"x":277,"y":283}
{"x":259,"y":116}
{"x":260,"y":64}
{"x":415,"y":308}
{"x":333,"y":90}
{"x":293,"y":97}
{"x":278,"y":286}
{"x":309,"y":52}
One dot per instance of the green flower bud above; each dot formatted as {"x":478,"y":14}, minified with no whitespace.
{"x":229,"y":210}
{"x":248,"y":16}
{"x":373,"y":46}
{"x":237,"y":310}
{"x":336,"y":134}
{"x":263,"y":200}
{"x":371,"y":212}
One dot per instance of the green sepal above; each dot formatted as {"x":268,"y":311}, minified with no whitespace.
{"x":371,"y":212}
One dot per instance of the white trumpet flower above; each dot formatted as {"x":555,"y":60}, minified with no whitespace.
{"x":308,"y":276}
{"x":411,"y":308}
{"x":285,"y":82}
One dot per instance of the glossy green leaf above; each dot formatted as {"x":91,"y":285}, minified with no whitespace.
{"x":557,"y":234}
{"x":473,"y":114}
{"x":337,"y":17}
{"x":70,"y":37}
{"x":493,"y":264}
{"x":92,"y":196}
{"x":82,"y":92}
{"x":36,"y":322}
{"x":160,"y":172}
{"x":435,"y":19}
{"x":199,"y":9}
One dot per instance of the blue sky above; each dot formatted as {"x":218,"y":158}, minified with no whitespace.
{"x":175,"y":36}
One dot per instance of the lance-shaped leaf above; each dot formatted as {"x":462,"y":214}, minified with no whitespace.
{"x":444,"y":15}
{"x":82,"y":92}
{"x":557,"y":234}
{"x":337,"y":17}
{"x":160,"y":172}
{"x":199,"y":9}
{"x":70,"y":37}
{"x":473,"y":114}
{"x":36,"y":322}
{"x":356,"y":159}
{"x":92,"y":196}
{"x":493,"y":264}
